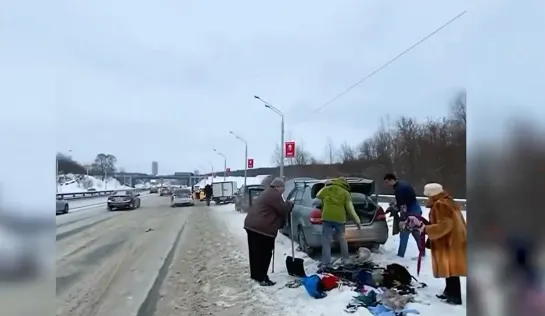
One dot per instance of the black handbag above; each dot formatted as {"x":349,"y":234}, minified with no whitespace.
{"x":428,"y":243}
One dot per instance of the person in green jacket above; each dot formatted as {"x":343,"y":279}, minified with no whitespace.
{"x":336,"y":203}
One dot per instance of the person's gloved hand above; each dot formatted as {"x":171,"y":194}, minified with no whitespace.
{"x":413,"y":223}
{"x":358,"y":226}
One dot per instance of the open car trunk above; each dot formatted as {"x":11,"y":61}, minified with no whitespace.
{"x":361,"y":191}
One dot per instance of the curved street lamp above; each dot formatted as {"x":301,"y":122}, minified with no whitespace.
{"x":277,"y":111}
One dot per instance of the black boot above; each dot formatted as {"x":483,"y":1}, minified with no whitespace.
{"x":441,"y":296}
{"x":453,"y":300}
{"x":267,"y":283}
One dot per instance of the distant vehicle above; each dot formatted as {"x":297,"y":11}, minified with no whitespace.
{"x":164,"y":191}
{"x":124,"y":199}
{"x":91,"y":190}
{"x":154,"y":189}
{"x":307,"y":215}
{"x":182,"y":197}
{"x":246,"y":195}
{"x":62,"y":206}
{"x":223,"y":192}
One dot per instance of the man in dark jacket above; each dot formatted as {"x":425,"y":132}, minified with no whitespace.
{"x":208,"y":193}
{"x":407,"y":204}
{"x":264,"y":219}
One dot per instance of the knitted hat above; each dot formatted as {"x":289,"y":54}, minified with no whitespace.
{"x":432,"y":189}
{"x":277,"y":182}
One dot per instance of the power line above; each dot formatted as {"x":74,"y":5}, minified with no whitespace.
{"x":388,"y":63}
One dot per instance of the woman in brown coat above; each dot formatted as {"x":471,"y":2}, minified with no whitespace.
{"x":447,"y":240}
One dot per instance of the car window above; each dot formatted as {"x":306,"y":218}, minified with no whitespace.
{"x":298,"y":197}
{"x":306,"y":199}
{"x":121,"y":193}
{"x":294,"y":194}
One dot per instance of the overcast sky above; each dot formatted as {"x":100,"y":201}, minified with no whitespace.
{"x":166,"y":80}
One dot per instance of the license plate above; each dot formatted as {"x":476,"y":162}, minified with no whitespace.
{"x":119,"y":199}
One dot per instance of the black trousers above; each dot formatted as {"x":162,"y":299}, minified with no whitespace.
{"x":453,"y":288}
{"x":260,"y":249}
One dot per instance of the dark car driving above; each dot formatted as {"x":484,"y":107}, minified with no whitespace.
{"x":123,"y":199}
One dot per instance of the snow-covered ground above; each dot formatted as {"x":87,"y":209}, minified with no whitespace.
{"x":238,"y":180}
{"x":84,"y":183}
{"x":298,"y":302}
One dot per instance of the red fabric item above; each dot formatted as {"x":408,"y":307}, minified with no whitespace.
{"x":329,"y":281}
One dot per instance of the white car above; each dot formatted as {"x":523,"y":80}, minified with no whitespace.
{"x":182,"y":197}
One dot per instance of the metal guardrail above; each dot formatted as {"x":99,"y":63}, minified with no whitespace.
{"x":90,"y":194}
{"x":383,"y":198}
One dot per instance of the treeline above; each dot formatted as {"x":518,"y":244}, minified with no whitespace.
{"x":103,"y":166}
{"x":433,"y":150}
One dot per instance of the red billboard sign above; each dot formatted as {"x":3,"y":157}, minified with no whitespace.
{"x":250,"y":163}
{"x":289,"y":149}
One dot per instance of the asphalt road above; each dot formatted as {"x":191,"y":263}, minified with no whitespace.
{"x":107,"y":262}
{"x":152,"y":261}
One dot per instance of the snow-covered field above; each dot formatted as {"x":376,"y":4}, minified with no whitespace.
{"x":298,"y":302}
{"x":84,"y":183}
{"x":238,"y":180}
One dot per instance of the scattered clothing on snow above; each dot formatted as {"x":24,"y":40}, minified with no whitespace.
{"x":312,"y":285}
{"x":329,"y":282}
{"x":381,"y":310}
{"x":393,"y":300}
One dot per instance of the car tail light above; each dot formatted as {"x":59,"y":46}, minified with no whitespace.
{"x":380,"y":215}
{"x":110,"y":198}
{"x":315,"y":216}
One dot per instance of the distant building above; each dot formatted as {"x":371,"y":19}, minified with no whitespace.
{"x":154,"y":168}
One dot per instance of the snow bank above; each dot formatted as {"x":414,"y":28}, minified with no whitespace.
{"x":79,"y":183}
{"x":238,"y":180}
{"x":301,"y":304}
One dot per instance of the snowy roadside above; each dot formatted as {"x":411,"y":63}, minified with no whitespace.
{"x":298,"y":302}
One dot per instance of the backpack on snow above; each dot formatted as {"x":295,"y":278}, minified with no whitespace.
{"x":396,"y":273}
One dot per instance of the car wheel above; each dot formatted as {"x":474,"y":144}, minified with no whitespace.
{"x":301,"y":239}
{"x":65,"y":211}
{"x":131,"y":206}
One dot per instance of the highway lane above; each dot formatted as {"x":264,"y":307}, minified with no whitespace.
{"x":106,"y":262}
{"x":79,"y":203}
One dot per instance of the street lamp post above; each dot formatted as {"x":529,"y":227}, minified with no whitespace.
{"x":277,"y":111}
{"x":224,"y":164}
{"x":211,"y":173}
{"x":245,"y":155}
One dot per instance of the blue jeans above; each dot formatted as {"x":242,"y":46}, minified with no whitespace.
{"x":328,"y":229}
{"x":404,"y":240}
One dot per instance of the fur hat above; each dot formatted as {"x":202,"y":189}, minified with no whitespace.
{"x":432,"y":189}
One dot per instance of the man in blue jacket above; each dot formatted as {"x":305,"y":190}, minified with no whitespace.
{"x":407,"y":203}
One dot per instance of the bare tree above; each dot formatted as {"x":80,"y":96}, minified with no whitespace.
{"x":346,"y":153}
{"x":276,"y":157}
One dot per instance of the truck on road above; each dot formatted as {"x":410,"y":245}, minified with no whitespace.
{"x":224,"y":192}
